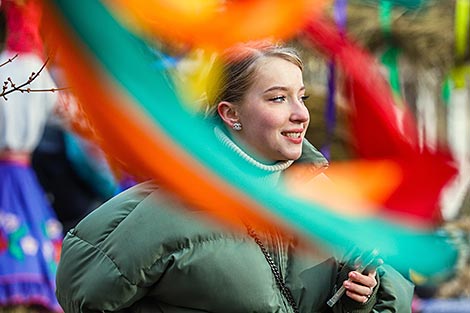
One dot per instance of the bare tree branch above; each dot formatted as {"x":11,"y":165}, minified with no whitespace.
{"x":9,"y":60}
{"x":9,"y":86}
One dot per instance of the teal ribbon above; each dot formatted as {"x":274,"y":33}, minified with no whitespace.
{"x":390,"y":60}
{"x":410,"y":4}
{"x":385,"y":17}
{"x":446,"y":90}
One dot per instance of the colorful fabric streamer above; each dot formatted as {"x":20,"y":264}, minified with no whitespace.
{"x":340,"y":16}
{"x":136,"y":111}
{"x":456,"y":94}
{"x":385,"y":17}
{"x":410,"y":4}
{"x":206,"y":24}
{"x":390,"y":58}
{"x":462,"y":28}
{"x":381,"y":133}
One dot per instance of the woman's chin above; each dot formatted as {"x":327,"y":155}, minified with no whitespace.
{"x":292,"y":156}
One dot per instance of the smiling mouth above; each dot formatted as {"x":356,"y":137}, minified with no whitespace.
{"x":294,"y":135}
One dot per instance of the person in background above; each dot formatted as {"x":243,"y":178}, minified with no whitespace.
{"x":30,"y":234}
{"x":71,"y":193}
{"x":146,"y":251}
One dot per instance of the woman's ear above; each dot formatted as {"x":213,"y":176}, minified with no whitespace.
{"x":228,"y":113}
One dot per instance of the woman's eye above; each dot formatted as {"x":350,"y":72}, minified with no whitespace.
{"x":278,"y":99}
{"x":303,"y":98}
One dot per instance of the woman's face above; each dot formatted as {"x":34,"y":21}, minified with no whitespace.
{"x":273,"y":113}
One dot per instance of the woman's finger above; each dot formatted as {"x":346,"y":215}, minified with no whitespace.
{"x":358,"y":289}
{"x":365,"y":280}
{"x":356,"y":297}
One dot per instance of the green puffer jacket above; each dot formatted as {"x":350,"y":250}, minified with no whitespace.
{"x":144,"y":251}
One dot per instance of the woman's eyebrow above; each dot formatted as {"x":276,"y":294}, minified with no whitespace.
{"x":281,"y":88}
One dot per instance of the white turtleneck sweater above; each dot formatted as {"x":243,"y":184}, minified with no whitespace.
{"x":271,"y":172}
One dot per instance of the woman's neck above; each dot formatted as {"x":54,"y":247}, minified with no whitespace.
{"x":227,"y":141}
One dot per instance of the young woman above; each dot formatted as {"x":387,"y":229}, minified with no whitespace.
{"x":144,"y":251}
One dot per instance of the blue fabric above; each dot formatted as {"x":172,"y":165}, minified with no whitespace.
{"x":340,"y":9}
{"x":445,"y":305}
{"x":30,"y":240}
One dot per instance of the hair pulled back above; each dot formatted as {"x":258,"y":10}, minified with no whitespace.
{"x":234,"y":71}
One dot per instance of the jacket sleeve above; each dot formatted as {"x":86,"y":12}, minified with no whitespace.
{"x":105,"y":263}
{"x":89,"y":281}
{"x":395,"y":293}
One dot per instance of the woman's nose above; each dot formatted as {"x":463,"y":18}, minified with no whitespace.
{"x":300,"y":112}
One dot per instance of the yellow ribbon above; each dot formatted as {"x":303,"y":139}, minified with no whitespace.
{"x":462,"y":9}
{"x":460,"y":75}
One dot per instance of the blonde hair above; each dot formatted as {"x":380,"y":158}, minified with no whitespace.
{"x":234,"y":71}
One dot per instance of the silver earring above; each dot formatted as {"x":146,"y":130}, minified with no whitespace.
{"x":237,"y":126}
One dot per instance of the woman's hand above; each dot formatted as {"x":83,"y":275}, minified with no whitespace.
{"x":360,"y":287}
